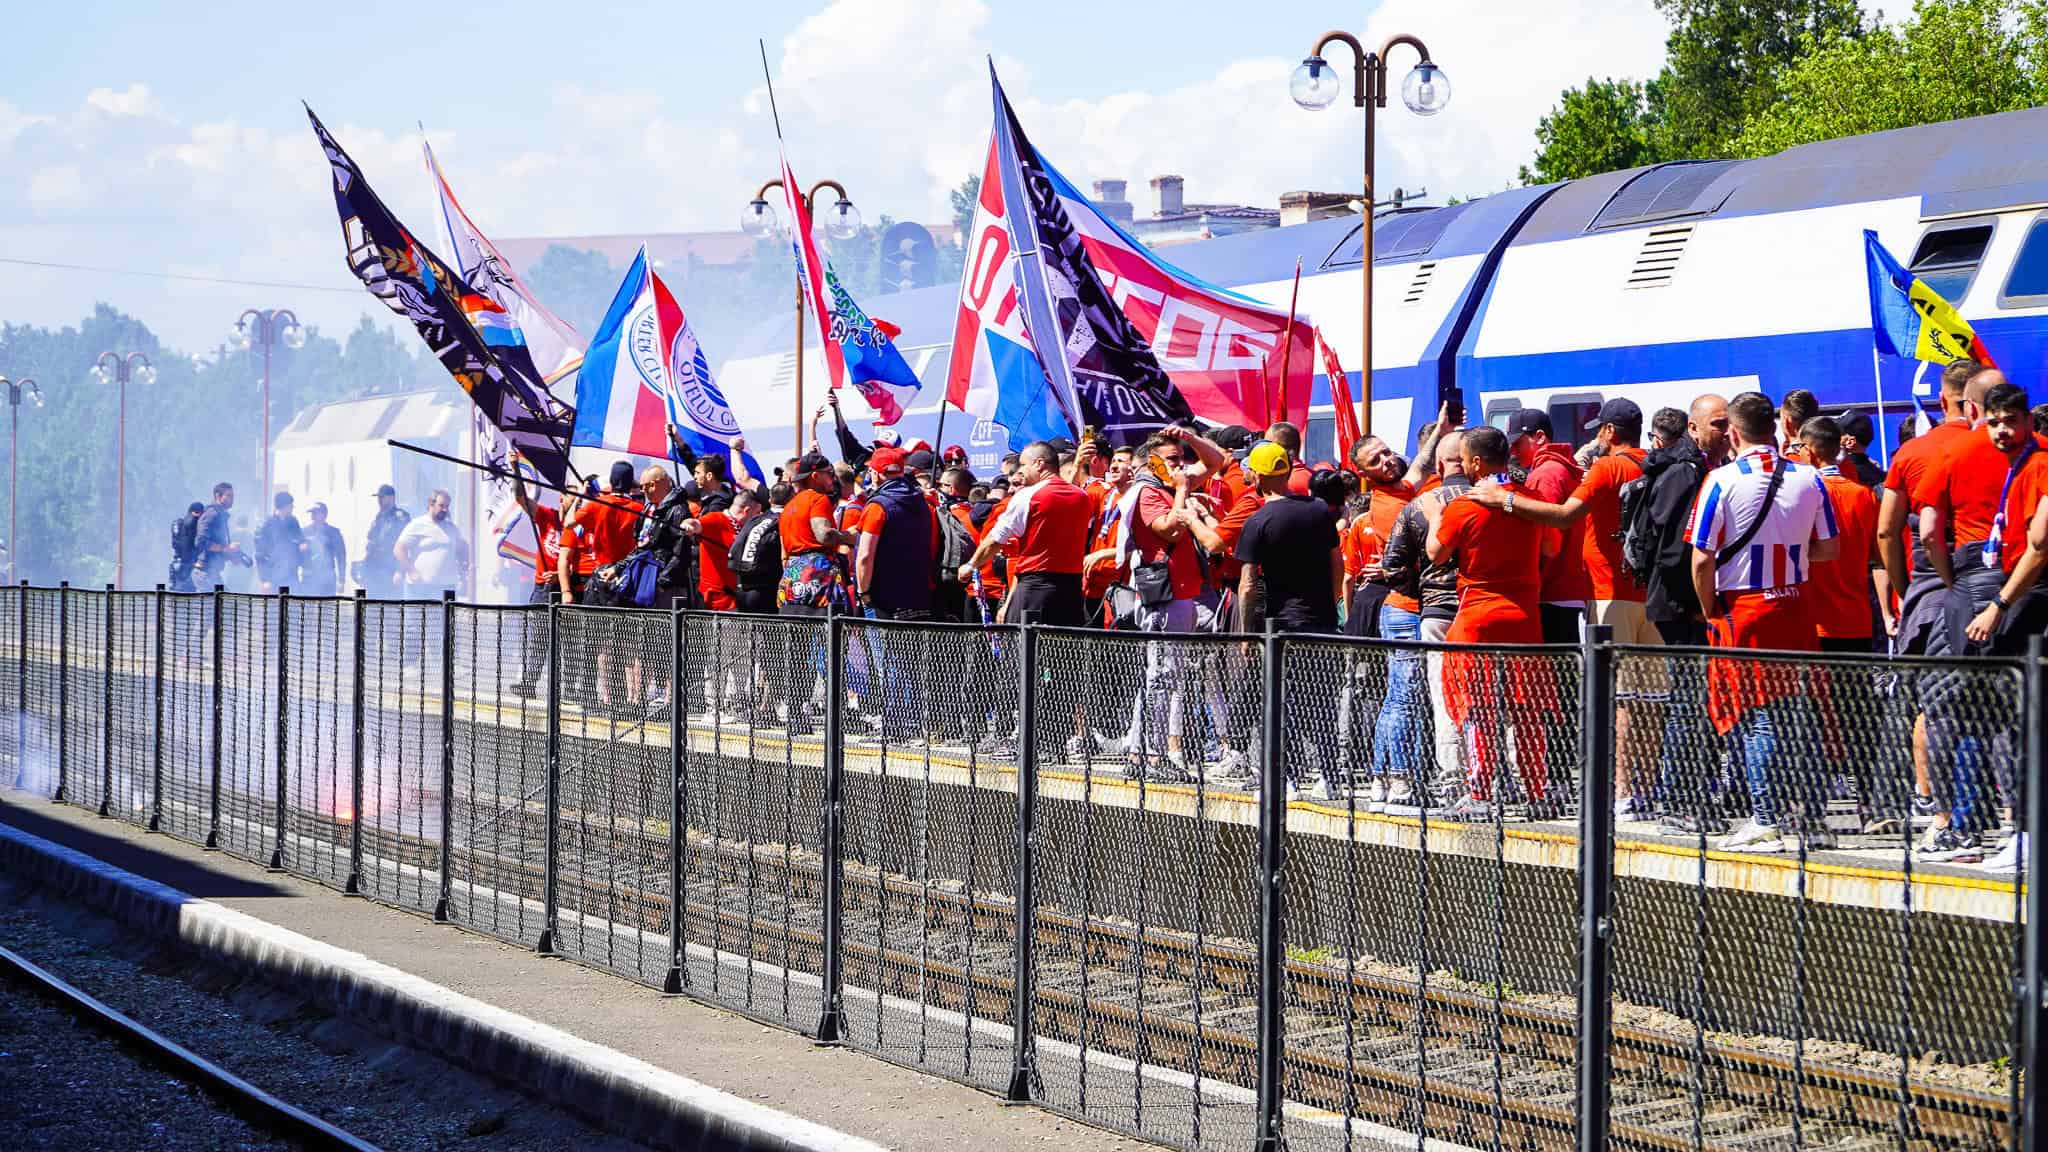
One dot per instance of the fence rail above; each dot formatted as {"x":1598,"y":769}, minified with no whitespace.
{"x":1064,"y":866}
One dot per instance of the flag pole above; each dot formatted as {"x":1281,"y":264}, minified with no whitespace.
{"x":1287,"y":346}
{"x":1884,"y":452}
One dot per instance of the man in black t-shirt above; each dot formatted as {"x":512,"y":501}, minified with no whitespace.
{"x":1289,"y":549}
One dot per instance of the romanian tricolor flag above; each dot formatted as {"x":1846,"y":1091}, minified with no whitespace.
{"x":1908,"y":318}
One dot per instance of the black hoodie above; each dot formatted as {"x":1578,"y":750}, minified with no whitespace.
{"x":1675,"y":473}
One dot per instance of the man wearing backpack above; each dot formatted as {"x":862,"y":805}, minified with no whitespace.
{"x":185,"y":547}
{"x":951,"y":598}
{"x":756,"y":554}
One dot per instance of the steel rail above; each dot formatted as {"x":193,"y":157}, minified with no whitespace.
{"x":253,"y":1104}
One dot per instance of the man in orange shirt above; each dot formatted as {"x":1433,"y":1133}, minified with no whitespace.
{"x":1499,"y":557}
{"x":1617,"y":599}
{"x":1838,"y":591}
{"x":1392,"y":483}
{"x":812,"y":580}
{"x":1919,"y":610}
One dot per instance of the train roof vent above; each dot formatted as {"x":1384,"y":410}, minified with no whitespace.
{"x":1420,"y":284}
{"x":1681,"y":188}
{"x":1658,"y":260}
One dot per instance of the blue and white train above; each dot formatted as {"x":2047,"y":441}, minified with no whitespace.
{"x":1655,"y":283}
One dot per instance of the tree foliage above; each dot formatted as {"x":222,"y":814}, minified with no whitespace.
{"x":1598,"y":128}
{"x":1954,"y":58}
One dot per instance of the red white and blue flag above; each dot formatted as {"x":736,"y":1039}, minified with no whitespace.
{"x":645,"y":370}
{"x":858,"y":350}
{"x":1213,"y":345}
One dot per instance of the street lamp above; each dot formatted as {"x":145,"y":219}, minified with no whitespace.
{"x":1425,"y":91}
{"x":118,"y":368}
{"x":16,"y":390}
{"x":267,"y":326}
{"x":842,"y":222}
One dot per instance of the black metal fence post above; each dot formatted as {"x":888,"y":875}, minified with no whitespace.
{"x":284,"y":705}
{"x":107,"y":704}
{"x":551,"y":847}
{"x":2034,"y":946}
{"x":443,"y":903}
{"x":355,"y":759}
{"x":156,"y":707}
{"x":21,"y":682}
{"x":1270,"y":1129}
{"x":219,"y":701}
{"x":63,"y":688}
{"x":1596,"y":885}
{"x":1023,"y":1040}
{"x":832,"y":1019}
{"x":678,"y":799}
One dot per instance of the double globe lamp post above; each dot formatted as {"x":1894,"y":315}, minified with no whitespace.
{"x":118,"y":368}
{"x":842,"y":222}
{"x":267,"y":327}
{"x":17,"y":391}
{"x":1425,"y":91}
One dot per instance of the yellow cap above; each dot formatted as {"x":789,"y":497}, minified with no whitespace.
{"x":1269,"y":459}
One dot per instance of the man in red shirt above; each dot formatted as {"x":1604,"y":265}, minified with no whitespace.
{"x":1553,"y":475}
{"x":2016,"y":611}
{"x":1617,"y":600}
{"x":812,"y":579}
{"x":1391,"y":484}
{"x":1919,"y":610}
{"x":547,"y":533}
{"x":1049,"y":519}
{"x":1838,"y":591}
{"x":1499,"y":558}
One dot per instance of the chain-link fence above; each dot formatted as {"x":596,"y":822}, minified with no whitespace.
{"x":752,"y":874}
{"x":1216,"y":891}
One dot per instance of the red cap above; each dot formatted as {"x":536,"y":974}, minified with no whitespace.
{"x":888,"y":461}
{"x":953,"y":452}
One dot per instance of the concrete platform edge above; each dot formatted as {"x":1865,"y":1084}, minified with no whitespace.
{"x":615,"y":1091}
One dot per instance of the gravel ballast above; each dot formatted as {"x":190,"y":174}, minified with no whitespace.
{"x":76,"y":1090}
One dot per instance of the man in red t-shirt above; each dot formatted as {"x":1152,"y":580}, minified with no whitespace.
{"x":1838,"y":591}
{"x":1049,"y":520}
{"x":1919,"y":610}
{"x":2019,"y":609}
{"x":1964,"y":491}
{"x":1553,"y":475}
{"x":1499,"y":558}
{"x":547,"y":534}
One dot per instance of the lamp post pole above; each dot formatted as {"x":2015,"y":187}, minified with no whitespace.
{"x":267,"y":326}
{"x":758,"y":221}
{"x":16,"y":391}
{"x":1425,"y":91}
{"x":118,"y":368}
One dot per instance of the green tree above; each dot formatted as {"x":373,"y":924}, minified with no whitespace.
{"x":576,"y":284}
{"x":963,"y":198}
{"x":1723,"y":61}
{"x":1953,"y":58}
{"x":1601,"y":127}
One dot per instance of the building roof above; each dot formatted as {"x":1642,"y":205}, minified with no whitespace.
{"x":398,"y":415}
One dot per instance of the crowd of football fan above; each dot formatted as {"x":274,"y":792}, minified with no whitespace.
{"x":1740,"y":524}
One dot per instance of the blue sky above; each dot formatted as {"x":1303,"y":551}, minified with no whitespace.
{"x":169,"y":138}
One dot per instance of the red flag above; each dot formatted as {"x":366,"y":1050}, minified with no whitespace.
{"x":1340,"y":396}
{"x":1287,"y":347}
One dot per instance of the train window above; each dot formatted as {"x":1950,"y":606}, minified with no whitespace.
{"x":1947,"y":258}
{"x":1319,"y":439}
{"x":2027,"y":284}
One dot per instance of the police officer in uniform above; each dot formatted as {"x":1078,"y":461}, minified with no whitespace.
{"x":185,"y":548}
{"x":380,"y":565}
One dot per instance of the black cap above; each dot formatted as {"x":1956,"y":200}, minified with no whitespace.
{"x":920,"y":461}
{"x":195,"y":508}
{"x":1231,"y":437}
{"x":812,"y":462}
{"x":1061,"y":445}
{"x":281,"y":500}
{"x":1855,"y":424}
{"x":1617,"y":411}
{"x":622,"y":475}
{"x":386,"y":490}
{"x":1530,"y":420}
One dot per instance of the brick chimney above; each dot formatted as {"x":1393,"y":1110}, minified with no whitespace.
{"x":1168,"y":189}
{"x":1109,"y":196}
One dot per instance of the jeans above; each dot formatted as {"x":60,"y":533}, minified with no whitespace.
{"x":1777,"y":771}
{"x":1450,"y":744}
{"x":1397,"y":736}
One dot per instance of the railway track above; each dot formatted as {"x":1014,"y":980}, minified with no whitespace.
{"x":259,"y":1108}
{"x":1462,"y":1066}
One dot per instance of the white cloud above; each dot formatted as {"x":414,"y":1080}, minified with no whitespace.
{"x":134,"y":100}
{"x":55,"y":188}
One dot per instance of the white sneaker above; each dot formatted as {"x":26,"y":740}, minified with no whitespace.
{"x":2010,"y":857}
{"x":1376,"y":797}
{"x":1632,"y":809}
{"x":1753,"y":837}
{"x":1401,"y":795}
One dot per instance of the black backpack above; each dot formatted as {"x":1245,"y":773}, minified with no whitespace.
{"x":185,"y":540}
{"x":756,"y":555}
{"x":956,"y":546}
{"x":1648,"y":547}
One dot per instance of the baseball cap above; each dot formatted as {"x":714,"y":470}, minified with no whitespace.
{"x":1616,"y":411}
{"x":1231,"y":437}
{"x":1269,"y":459}
{"x":1855,"y":424}
{"x":196,"y":508}
{"x":888,"y":438}
{"x":386,"y":490}
{"x":812,"y":462}
{"x":1531,"y":420}
{"x":622,"y":475}
{"x":920,"y":460}
{"x":888,"y":461}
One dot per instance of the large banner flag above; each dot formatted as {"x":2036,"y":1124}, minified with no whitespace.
{"x":522,"y":333}
{"x":1340,"y":399}
{"x":644,"y":370}
{"x":858,"y":350}
{"x":1908,"y":318}
{"x":1212,"y":343}
{"x":417,"y":285}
